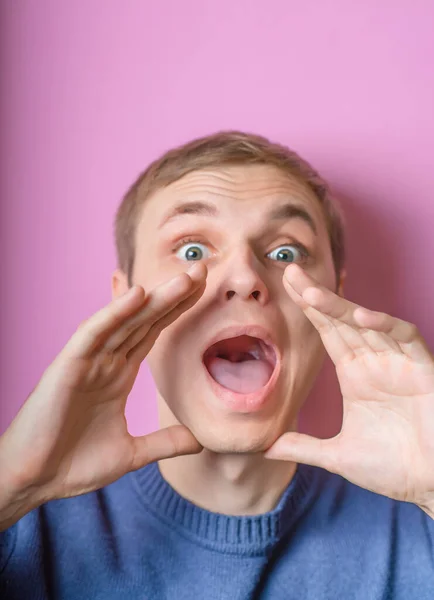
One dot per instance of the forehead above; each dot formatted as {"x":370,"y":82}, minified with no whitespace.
{"x":234,"y":190}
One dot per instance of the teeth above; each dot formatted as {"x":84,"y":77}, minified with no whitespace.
{"x":240,"y":356}
{"x":254,"y":349}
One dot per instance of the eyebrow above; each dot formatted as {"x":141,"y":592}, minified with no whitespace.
{"x":284,"y":212}
{"x":190,"y":208}
{"x":290,"y":210}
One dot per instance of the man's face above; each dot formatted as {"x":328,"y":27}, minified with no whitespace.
{"x":246,"y":239}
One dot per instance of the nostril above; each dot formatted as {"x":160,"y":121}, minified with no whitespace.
{"x":230,"y":294}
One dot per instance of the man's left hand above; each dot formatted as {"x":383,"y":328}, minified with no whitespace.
{"x":386,"y":374}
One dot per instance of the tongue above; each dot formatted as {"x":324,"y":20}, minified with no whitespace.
{"x":242,"y":377}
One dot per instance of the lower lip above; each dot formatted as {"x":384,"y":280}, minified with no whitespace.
{"x":245,"y":403}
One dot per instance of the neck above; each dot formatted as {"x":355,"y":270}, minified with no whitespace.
{"x":230,"y":484}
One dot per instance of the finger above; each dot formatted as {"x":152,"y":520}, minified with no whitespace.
{"x":161,"y":301}
{"x":380,"y":342}
{"x":342,"y":341}
{"x":104,"y":324}
{"x":306,"y":449}
{"x":172,"y":441}
{"x":325,"y":308}
{"x":359,"y":341}
{"x":317,"y":296}
{"x":330,"y":314}
{"x":140,"y":343}
{"x":405,"y":334}
{"x":338,"y":348}
{"x":97,"y":328}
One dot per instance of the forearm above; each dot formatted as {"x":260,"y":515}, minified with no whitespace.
{"x":13,"y":506}
{"x":17,"y":496}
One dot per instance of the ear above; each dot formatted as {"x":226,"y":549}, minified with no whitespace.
{"x":342,"y":278}
{"x":119,"y":283}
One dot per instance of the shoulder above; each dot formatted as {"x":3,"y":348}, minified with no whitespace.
{"x":67,"y":521}
{"x":344,"y":504}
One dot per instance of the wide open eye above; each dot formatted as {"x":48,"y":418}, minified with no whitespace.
{"x":193,"y":251}
{"x":289,"y":253}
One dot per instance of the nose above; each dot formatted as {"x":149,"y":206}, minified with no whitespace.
{"x":242,"y":278}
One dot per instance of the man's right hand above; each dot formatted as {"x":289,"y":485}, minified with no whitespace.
{"x":70,"y":436}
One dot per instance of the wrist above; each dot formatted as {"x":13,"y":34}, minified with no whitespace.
{"x":13,"y":506}
{"x":17,"y":500}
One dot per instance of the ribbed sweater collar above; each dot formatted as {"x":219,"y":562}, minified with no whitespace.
{"x":236,"y":534}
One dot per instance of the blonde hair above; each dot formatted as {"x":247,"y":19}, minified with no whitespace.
{"x":216,"y":150}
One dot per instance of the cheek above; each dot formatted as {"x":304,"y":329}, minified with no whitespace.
{"x":302,"y":341}
{"x":151,"y":271}
{"x":171,"y":352}
{"x":174,"y":363}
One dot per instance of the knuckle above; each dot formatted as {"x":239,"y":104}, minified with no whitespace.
{"x":173,"y":440}
{"x":82,"y":324}
{"x":414,"y":331}
{"x":129,"y":328}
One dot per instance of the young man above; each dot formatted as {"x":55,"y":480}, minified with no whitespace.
{"x":226,"y":500}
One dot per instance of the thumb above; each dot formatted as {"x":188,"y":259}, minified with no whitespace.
{"x":164,"y":443}
{"x":306,"y":449}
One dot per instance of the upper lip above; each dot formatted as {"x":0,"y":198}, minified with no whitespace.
{"x":253,"y":330}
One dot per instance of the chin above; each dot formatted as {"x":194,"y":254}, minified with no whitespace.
{"x":235,"y":439}
{"x":236,"y":399}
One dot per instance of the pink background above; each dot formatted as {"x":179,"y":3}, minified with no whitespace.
{"x":94,"y":90}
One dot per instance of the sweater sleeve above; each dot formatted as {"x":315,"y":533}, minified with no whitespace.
{"x":7,"y":545}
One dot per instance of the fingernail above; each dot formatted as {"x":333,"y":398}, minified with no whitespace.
{"x":131,"y":291}
{"x":286,"y":274}
{"x":196,"y":271}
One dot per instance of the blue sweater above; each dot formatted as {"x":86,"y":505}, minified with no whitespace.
{"x":138,"y":539}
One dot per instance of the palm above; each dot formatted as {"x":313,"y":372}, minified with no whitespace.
{"x":385,"y":438}
{"x":100,"y":452}
{"x":92,"y":446}
{"x":386,"y":375}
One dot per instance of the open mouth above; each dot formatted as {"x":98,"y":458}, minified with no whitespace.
{"x":242,"y":364}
